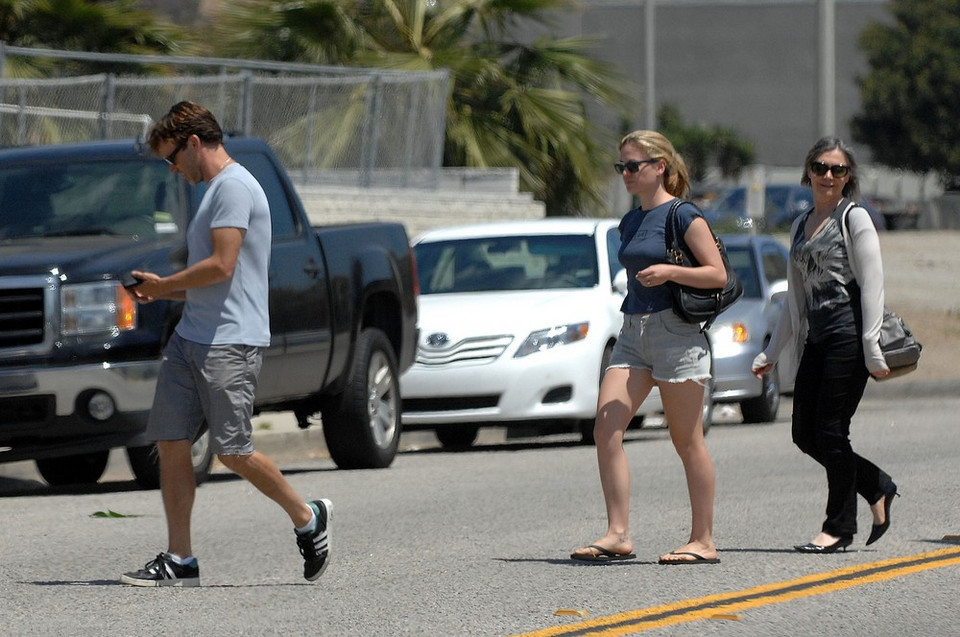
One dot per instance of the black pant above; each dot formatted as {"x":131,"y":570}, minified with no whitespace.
{"x":829,"y":385}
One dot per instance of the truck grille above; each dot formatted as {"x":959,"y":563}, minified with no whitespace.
{"x":27,"y":314}
{"x":21,"y":317}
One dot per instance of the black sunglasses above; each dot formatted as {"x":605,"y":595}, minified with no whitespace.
{"x":632,"y":166}
{"x":820,"y":169}
{"x":172,"y":157}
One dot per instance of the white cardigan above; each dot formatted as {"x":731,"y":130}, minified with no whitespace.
{"x":863,"y":251}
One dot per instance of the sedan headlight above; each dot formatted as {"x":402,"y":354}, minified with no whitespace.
{"x":542,"y":340}
{"x":93,"y":308}
{"x":728,"y":337}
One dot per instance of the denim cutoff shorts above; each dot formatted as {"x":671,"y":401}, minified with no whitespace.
{"x":212,"y":384}
{"x":673,"y":350}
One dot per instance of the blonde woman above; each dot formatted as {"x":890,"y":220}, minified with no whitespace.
{"x":656,"y":347}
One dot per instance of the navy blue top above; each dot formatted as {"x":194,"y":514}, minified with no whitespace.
{"x":642,"y":243}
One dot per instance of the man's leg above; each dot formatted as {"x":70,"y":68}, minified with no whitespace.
{"x":260,"y":471}
{"x":178,"y":488}
{"x":311,"y":521}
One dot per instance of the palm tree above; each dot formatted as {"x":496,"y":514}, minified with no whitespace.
{"x":115,"y":26}
{"x":511,"y":104}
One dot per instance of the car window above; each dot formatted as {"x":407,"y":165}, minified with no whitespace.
{"x":741,"y":260}
{"x":774,"y":263}
{"x":283,"y":220}
{"x":507,"y":263}
{"x":138,"y":199}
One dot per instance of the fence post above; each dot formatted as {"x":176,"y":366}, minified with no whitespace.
{"x":247,"y":102}
{"x":108,"y":97}
{"x":371,"y":134}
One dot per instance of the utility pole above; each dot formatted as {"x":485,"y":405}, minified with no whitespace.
{"x":650,"y":47}
{"x":828,"y":68}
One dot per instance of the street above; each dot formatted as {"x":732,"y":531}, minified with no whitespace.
{"x":477,"y":543}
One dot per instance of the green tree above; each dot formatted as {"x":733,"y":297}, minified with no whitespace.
{"x":911,"y":95}
{"x":511,"y":104}
{"x":115,"y":26}
{"x":705,"y":146}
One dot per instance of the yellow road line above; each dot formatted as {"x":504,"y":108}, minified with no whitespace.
{"x":633,"y":622}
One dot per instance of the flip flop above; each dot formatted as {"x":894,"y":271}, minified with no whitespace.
{"x":602,"y":555}
{"x":697,"y":559}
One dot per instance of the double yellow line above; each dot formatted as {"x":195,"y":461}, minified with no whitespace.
{"x":724,"y":605}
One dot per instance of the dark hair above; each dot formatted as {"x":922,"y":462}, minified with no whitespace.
{"x":825,"y":144}
{"x":183,"y":120}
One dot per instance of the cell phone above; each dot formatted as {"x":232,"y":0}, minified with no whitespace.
{"x":128,"y":281}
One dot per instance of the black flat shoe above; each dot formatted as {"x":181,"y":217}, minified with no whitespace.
{"x":879,"y":529}
{"x":810,"y":547}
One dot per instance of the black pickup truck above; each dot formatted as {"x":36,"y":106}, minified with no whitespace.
{"x":79,"y":359}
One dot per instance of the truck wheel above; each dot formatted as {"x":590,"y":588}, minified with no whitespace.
{"x":763,"y":408}
{"x":84,"y":468}
{"x":362,"y":425}
{"x":146,"y":465}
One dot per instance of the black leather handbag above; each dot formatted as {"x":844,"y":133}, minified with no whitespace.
{"x":697,"y":305}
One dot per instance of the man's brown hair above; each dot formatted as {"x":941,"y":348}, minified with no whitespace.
{"x":183,"y":120}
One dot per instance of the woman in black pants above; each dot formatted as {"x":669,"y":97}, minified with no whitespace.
{"x":833,"y":311}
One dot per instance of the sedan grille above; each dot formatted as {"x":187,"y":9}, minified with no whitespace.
{"x":482,"y":349}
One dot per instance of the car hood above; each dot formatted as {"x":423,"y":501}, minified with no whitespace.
{"x":516,"y":312}
{"x":79,"y":257}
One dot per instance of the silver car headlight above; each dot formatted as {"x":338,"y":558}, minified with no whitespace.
{"x":729,"y":337}
{"x":96,"y":308}
{"x":542,"y":340}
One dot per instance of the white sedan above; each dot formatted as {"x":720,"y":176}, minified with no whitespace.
{"x":517,"y":320}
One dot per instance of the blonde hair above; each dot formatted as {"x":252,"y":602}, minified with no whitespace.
{"x":676,"y":179}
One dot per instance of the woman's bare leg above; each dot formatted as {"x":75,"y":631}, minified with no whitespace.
{"x":683,"y":405}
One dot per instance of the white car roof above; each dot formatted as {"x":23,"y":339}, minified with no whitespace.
{"x":549,"y":225}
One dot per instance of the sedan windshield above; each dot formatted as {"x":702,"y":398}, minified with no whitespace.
{"x":507,"y":263}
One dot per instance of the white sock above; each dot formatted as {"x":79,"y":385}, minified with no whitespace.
{"x":181,"y":560}
{"x":310,"y":526}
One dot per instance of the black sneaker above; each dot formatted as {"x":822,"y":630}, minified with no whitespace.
{"x":315,"y":547}
{"x":163,"y":571}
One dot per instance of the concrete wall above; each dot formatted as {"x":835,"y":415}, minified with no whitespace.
{"x":418,"y":210}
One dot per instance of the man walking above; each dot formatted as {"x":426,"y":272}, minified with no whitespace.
{"x":211,"y":363}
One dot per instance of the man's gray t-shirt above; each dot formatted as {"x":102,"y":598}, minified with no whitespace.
{"x":234,"y":311}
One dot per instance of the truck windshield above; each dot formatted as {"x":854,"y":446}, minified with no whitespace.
{"x":141,"y":200}
{"x":507,"y":263}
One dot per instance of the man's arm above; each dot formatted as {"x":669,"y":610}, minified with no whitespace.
{"x":217,"y":267}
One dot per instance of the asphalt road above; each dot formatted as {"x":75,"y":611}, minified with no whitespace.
{"x":476,"y":543}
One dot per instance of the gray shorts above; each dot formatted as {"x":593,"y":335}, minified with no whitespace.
{"x":212,"y":385}
{"x":672,"y":349}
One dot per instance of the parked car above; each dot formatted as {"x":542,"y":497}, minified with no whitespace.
{"x":79,"y":359}
{"x":782,"y":204}
{"x":517,"y":320}
{"x":740,"y":333}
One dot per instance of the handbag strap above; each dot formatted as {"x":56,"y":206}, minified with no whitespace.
{"x":673,"y":235}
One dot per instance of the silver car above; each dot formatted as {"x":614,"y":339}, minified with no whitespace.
{"x":740,"y":333}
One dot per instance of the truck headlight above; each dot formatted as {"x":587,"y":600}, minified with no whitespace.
{"x":92,"y":308}
{"x":545,"y":339}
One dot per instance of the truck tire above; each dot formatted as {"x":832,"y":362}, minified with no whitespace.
{"x":84,"y":468}
{"x":362,"y":425}
{"x":146,"y":465}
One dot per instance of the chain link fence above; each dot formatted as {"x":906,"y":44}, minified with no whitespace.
{"x":331,"y":125}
